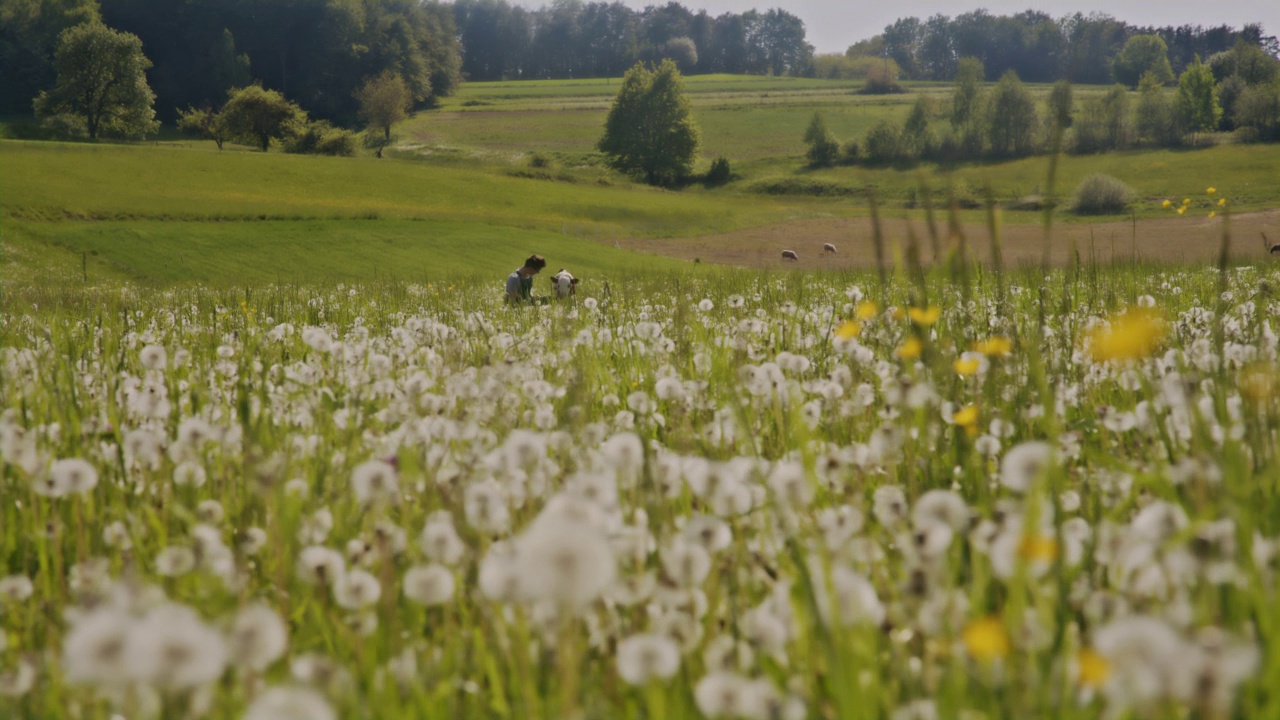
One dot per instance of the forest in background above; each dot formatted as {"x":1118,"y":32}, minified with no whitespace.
{"x":319,"y":52}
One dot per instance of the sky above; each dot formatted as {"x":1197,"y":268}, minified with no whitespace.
{"x":834,"y":25}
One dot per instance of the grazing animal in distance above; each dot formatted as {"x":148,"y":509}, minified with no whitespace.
{"x":789,"y":255}
{"x":565,"y":284}
{"x":828,"y":247}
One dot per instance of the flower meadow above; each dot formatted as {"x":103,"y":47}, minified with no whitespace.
{"x":719,"y":495}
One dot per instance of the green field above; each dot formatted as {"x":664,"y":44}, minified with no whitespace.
{"x":273,"y":446}
{"x":459,"y":195}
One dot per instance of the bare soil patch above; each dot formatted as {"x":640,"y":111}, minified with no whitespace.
{"x":1178,"y":239}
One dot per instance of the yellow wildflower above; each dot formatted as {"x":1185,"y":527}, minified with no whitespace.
{"x":1182,"y":209}
{"x":1094,"y":669}
{"x":1186,"y":201}
{"x":1166,"y":204}
{"x":925,"y":316}
{"x":986,"y":639}
{"x":1038,"y":548}
{"x":1210,"y":190}
{"x":1222,"y":201}
{"x":910,"y":349}
{"x":966,"y":366}
{"x":866,"y":310}
{"x":848,"y":330}
{"x":966,"y":417}
{"x":1213,"y":213}
{"x":1132,"y":335}
{"x":994,"y":346}
{"x":899,"y":313}
{"x":1259,"y":383}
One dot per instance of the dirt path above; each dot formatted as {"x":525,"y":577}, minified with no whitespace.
{"x":1173,"y":239}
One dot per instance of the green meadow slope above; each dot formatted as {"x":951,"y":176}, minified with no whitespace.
{"x":162,"y":214}
{"x":504,"y":169}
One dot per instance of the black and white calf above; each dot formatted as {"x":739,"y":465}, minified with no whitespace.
{"x":564,"y":283}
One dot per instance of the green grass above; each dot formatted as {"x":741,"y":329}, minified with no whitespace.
{"x":462,"y":175}
{"x":338,"y":250}
{"x":211,"y":216}
{"x":106,"y":182}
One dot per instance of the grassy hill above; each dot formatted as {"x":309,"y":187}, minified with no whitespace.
{"x":504,"y":169}
{"x":164,"y":214}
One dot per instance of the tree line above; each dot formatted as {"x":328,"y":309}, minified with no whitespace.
{"x":1039,"y":48}
{"x":570,"y":38}
{"x":1239,"y":91}
{"x":317,"y":53}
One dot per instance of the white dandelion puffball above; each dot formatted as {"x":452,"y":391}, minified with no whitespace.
{"x":1023,"y":464}
{"x":642,"y":658}
{"x":258,"y":637}
{"x":154,"y":357}
{"x":374,"y":480}
{"x":286,"y":703}
{"x":429,"y":584}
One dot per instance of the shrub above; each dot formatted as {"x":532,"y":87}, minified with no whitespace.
{"x":836,"y":66}
{"x":321,"y":138}
{"x":882,"y":79}
{"x":824,"y":149}
{"x":1101,"y":194}
{"x":719,"y":174}
{"x":883,"y":143}
{"x":804,"y":186}
{"x":852,"y":151}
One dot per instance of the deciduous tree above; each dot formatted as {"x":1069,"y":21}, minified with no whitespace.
{"x":966,"y":99}
{"x":260,"y":116}
{"x":650,"y":129}
{"x":384,"y":101}
{"x":1142,"y":54}
{"x":1011,"y":117}
{"x":1154,"y":118}
{"x":206,"y":123}
{"x":1197,"y":104}
{"x":101,"y":85}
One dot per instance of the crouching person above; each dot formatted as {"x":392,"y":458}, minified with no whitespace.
{"x":564,"y":283}
{"x":520,"y":282}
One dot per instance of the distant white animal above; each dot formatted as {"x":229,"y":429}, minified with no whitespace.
{"x":828,"y":247}
{"x":789,"y":255}
{"x":564,"y":283}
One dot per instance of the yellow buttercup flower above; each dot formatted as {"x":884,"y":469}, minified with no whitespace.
{"x":1186,"y":201}
{"x":848,"y":330}
{"x":986,"y":639}
{"x":866,"y":310}
{"x":993,"y":346}
{"x":1182,"y":209}
{"x":1132,"y":335}
{"x":1094,"y":669}
{"x":925,"y":316}
{"x":910,"y":349}
{"x":1210,"y":190}
{"x":1166,"y":204}
{"x":1213,"y":213}
{"x":966,"y":366}
{"x":966,"y":417}
{"x":1222,"y":201}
